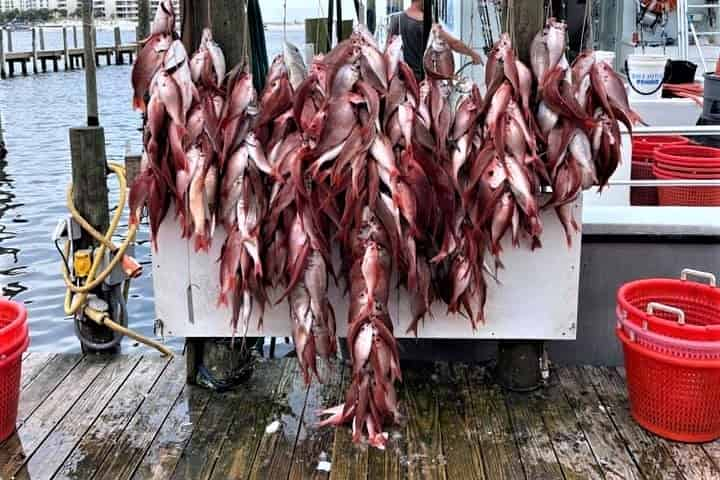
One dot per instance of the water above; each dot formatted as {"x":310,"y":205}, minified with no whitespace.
{"x":37,"y":112}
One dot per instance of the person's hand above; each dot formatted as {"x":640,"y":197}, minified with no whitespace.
{"x":477,"y":58}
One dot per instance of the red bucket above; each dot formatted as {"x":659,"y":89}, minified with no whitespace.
{"x":688,"y":156}
{"x":675,"y":398}
{"x":14,"y":340}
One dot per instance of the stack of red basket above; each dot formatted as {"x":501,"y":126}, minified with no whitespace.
{"x":14,"y":340}
{"x":688,"y":162}
{"x":670,"y":331}
{"x":643,"y":158}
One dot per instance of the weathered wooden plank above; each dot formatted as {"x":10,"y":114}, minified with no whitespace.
{"x":650,"y":453}
{"x":349,"y":460}
{"x":203,"y":447}
{"x":274,"y":455}
{"x":44,"y":383}
{"x":44,"y":419}
{"x":713,"y":451}
{"x":536,"y":452}
{"x":162,"y":458}
{"x":57,"y":446}
{"x":500,"y":453}
{"x":604,"y":439}
{"x":95,"y":445}
{"x":692,"y":460}
{"x":250,"y":420}
{"x":315,"y":443}
{"x":462,"y":452}
{"x":424,"y":441}
{"x":32,"y":365}
{"x":572,"y":449}
{"x":391,"y":463}
{"x":130,"y":448}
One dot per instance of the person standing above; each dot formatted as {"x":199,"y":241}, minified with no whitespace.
{"x":409,"y":25}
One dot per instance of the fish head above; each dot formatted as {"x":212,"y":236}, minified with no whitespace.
{"x":205,"y":37}
{"x":175,"y":55}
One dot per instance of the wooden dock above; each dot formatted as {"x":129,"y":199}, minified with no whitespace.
{"x":134,"y":417}
{"x":72,"y":57}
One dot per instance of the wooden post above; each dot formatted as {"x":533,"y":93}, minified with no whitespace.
{"x":3,"y":150}
{"x":316,"y":33}
{"x":3,"y":73}
{"x":66,"y":55}
{"x":75,"y":37}
{"x":90,"y":196}
{"x":10,"y":45}
{"x":118,"y":42}
{"x":143,"y":29}
{"x":34,"y":50}
{"x":132,"y":167}
{"x":42,"y":39}
{"x":228,"y":363}
{"x":518,"y":364}
{"x":90,"y":80}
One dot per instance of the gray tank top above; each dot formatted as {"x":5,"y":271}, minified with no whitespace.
{"x":411,"y":31}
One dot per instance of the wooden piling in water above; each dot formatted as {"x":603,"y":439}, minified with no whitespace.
{"x":118,"y":42}
{"x":3,"y":73}
{"x":90,"y":79}
{"x":132,"y":167}
{"x":34,"y":50}
{"x":66,"y":55}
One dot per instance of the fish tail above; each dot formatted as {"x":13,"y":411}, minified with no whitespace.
{"x":202,"y":242}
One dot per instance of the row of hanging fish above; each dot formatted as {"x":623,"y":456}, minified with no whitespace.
{"x":416,"y":183}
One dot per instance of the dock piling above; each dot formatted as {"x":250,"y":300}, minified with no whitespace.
{"x":118,"y":42}
{"x":66,"y":56}
{"x":3,"y":73}
{"x":34,"y":51}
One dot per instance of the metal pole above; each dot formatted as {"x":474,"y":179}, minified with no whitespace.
{"x":90,"y":80}
{"x":687,"y":131}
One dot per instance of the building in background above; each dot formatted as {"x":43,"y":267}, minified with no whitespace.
{"x":123,"y":9}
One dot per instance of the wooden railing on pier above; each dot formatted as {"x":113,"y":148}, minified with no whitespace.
{"x":72,"y":56}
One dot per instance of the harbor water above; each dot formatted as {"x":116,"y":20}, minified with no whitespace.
{"x":37,"y":112}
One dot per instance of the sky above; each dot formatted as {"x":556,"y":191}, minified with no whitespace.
{"x":272,"y":10}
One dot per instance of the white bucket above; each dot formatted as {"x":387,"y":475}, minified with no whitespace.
{"x":605,"y":55}
{"x":645,"y":75}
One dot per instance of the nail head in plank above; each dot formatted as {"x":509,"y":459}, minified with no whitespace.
{"x":248,"y":423}
{"x":161,"y":459}
{"x":95,"y":445}
{"x":274,"y":455}
{"x":536,"y":451}
{"x":572,"y":449}
{"x":130,"y":448}
{"x":44,"y":419}
{"x":500,"y":453}
{"x":313,"y":441}
{"x":604,"y":439}
{"x":50,"y":455}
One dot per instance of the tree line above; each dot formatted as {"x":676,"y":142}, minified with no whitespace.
{"x":41,"y":15}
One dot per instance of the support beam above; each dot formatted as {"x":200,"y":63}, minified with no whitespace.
{"x":518,"y":365}
{"x":3,"y":73}
{"x":42,"y":38}
{"x":66,"y":55}
{"x":75,"y":37}
{"x":118,"y":42}
{"x":9,"y":40}
{"x":34,"y":50}
{"x":90,"y":80}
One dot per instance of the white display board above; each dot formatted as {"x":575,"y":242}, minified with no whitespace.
{"x":537,"y":297}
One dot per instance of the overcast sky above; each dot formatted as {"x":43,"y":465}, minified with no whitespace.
{"x":272,"y":10}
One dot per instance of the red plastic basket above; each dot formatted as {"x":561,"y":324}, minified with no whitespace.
{"x":643,"y":148}
{"x":699,"y":303}
{"x":13,"y":326}
{"x":675,"y":398}
{"x":688,"y":155}
{"x":642,"y":170}
{"x":686,"y":196}
{"x":10,"y":372}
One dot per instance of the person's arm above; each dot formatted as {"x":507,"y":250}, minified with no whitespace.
{"x":459,"y":46}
